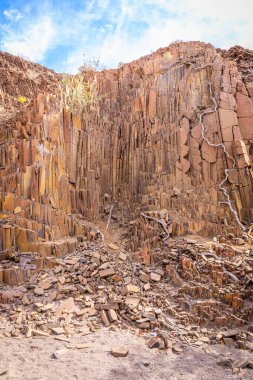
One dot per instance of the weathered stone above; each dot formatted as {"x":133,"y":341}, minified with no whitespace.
{"x":228,"y":119}
{"x":227,"y":101}
{"x":106,"y":272}
{"x":246,"y":127}
{"x":122,"y":256}
{"x":244,"y":105}
{"x":144,"y":277}
{"x":130,"y":288}
{"x":119,"y":352}
{"x":131,"y":300}
{"x":228,"y":341}
{"x":113,"y":246}
{"x":104,"y":318}
{"x":209,"y":153}
{"x":39,"y":291}
{"x":58,"y":330}
{"x":155,"y":277}
{"x":37,"y":332}
{"x":147,"y":286}
{"x":154,"y":342}
{"x":230,"y":333}
{"x":250,"y":363}
{"x":59,"y":353}
{"x":65,"y":307}
{"x":112,"y":315}
{"x":241,"y":363}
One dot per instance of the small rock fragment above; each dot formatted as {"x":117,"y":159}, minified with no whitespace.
{"x":39,"y":291}
{"x":113,"y":246}
{"x":66,"y":306}
{"x":241,"y":363}
{"x":144,"y":277}
{"x":104,"y":318}
{"x":153,"y":342}
{"x":82,"y":346}
{"x":147,"y":286}
{"x":155,"y":277}
{"x":119,"y":352}
{"x":112,"y":315}
{"x":59,"y":353}
{"x":57,"y":330}
{"x":106,"y":272}
{"x":131,"y":300}
{"x":122,"y":256}
{"x":226,"y":362}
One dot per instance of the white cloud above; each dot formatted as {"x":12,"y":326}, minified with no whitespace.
{"x":123,"y":30}
{"x":223,"y":23}
{"x":32,"y":41}
{"x":220,"y":9}
{"x":12,"y":14}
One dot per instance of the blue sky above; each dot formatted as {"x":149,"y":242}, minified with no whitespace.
{"x":59,"y":33}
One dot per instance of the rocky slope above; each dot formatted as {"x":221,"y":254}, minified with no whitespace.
{"x":20,"y":78}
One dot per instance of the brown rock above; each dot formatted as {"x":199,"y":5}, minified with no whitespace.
{"x":82,"y":346}
{"x":244,"y":105}
{"x":65,"y":307}
{"x":39,"y":332}
{"x":58,"y":354}
{"x":116,"y":278}
{"x":113,"y":246}
{"x":250,"y":363}
{"x":230,"y":333}
{"x":25,"y":300}
{"x":132,"y":300}
{"x":119,"y":352}
{"x":154,"y":342}
{"x":39,"y":291}
{"x":209,"y":153}
{"x":106,"y":272}
{"x":144,"y":277}
{"x":128,"y":289}
{"x":104,"y":318}
{"x":112,"y":315}
{"x":241,"y":363}
{"x":147,"y":286}
{"x":122,"y":256}
{"x":57,"y":330}
{"x":246,"y":127}
{"x":155,"y":277}
{"x":228,"y":341}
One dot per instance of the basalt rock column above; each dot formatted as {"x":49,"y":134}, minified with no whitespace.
{"x":150,"y":150}
{"x":142,"y":147}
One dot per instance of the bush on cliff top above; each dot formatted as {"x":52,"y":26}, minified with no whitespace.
{"x":77,"y":93}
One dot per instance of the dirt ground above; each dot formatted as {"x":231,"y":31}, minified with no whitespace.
{"x":31,"y":359}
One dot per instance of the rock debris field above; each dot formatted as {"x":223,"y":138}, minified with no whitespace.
{"x":97,"y":304}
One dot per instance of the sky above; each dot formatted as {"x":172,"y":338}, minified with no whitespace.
{"x":62,"y":34}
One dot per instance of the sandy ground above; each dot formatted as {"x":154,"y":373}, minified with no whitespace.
{"x":31,"y":359}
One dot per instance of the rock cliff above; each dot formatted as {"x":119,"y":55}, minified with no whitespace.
{"x":170,"y":139}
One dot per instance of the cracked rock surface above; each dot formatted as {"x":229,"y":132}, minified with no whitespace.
{"x":126,"y":226}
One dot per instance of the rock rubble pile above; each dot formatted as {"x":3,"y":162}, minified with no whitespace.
{"x":195,"y":291}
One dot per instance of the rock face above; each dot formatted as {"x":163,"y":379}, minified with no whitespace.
{"x":166,"y":132}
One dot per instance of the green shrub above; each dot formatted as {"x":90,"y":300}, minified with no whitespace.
{"x":77,"y":93}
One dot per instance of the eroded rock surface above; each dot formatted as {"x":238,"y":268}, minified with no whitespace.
{"x":141,"y":148}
